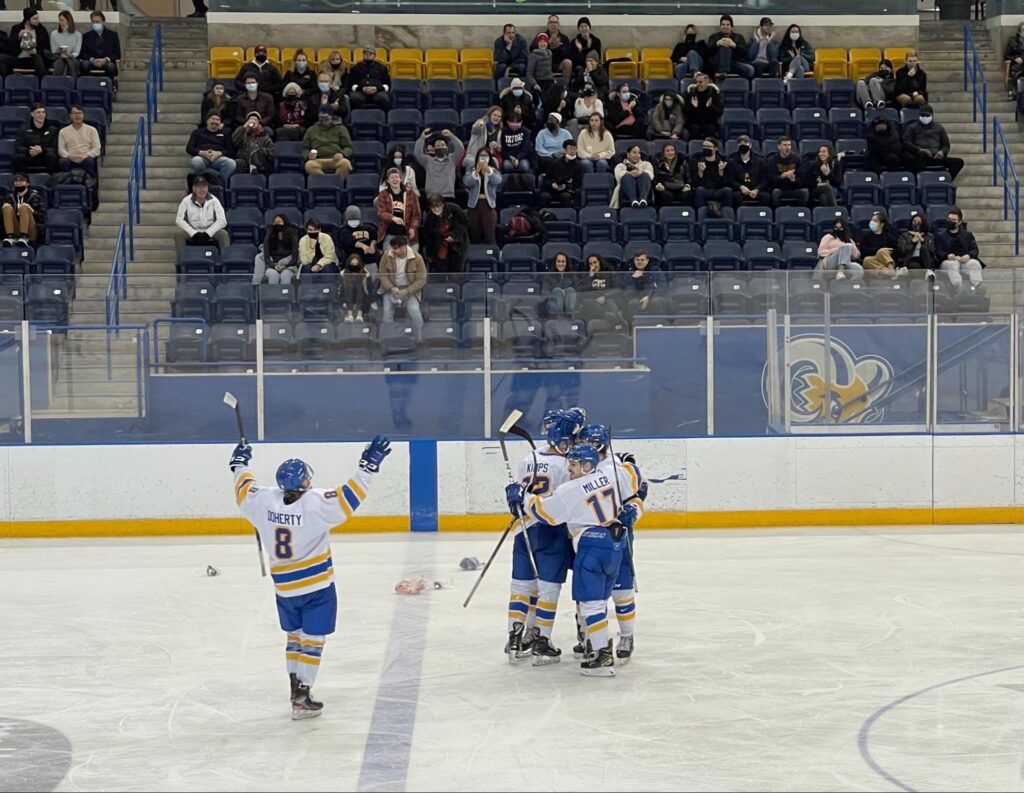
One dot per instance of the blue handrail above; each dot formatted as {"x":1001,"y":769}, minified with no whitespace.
{"x":136,"y":184}
{"x":117,"y":286}
{"x":979,"y":96}
{"x":154,"y":84}
{"x":1003,"y":167}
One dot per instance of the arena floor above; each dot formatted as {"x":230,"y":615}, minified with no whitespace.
{"x":817,"y":659}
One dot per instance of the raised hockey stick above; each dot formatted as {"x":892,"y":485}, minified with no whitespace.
{"x":510,"y":427}
{"x":232,"y":402}
{"x":487,"y":566}
{"x":629,"y":542}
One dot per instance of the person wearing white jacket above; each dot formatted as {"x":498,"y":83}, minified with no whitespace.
{"x":634,"y":178}
{"x":200,"y":219}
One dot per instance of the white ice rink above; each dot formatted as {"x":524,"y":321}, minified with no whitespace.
{"x":819,"y":659}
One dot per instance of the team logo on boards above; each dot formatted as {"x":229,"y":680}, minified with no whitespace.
{"x":858,"y":384}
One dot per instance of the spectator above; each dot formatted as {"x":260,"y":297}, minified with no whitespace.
{"x":101,"y":47}
{"x":24,"y":211}
{"x":561,"y":48}
{"x":585,"y":42}
{"x":212,"y":147}
{"x":35,"y":149}
{"x":482,"y":179}
{"x":634,"y":178}
{"x":600,"y":295}
{"x":876,"y":247}
{"x":672,"y":179}
{"x":316,"y":250}
{"x":516,"y":99}
{"x":397,"y":158}
{"x":268,"y":78}
{"x":748,"y":176}
{"x":595,"y":146}
{"x":445,"y":236}
{"x":711,"y":185}
{"x":689,"y":54}
{"x":356,"y":237}
{"x":29,"y":44}
{"x":403,"y":275}
{"x":564,"y":178}
{"x":78,"y":144}
{"x":957,"y":251}
{"x":440,"y":164}
{"x":326,"y":146}
{"x":823,"y":177}
{"x":550,"y":141}
{"x":200,"y":219}
{"x":878,"y":89}
{"x":485,"y":133}
{"x":702,"y":109}
{"x":370,"y":82}
{"x":586,"y":105}
{"x":355,"y":288}
{"x":539,"y":74}
{"x":217,"y":99}
{"x":784,"y":175}
{"x":281,"y":251}
{"x":593,"y":74}
{"x":626,"y":116}
{"x":67,"y":46}
{"x":795,"y":55}
{"x":911,"y":83}
{"x":510,"y":53}
{"x":398,"y":211}
{"x":516,"y":146}
{"x":927,"y":144}
{"x":254,"y":100}
{"x":254,"y":150}
{"x":728,"y":49}
{"x":559,"y":285}
{"x":763,"y":50}
{"x":667,"y":118}
{"x":301,"y":75}
{"x":885,"y":149}
{"x":292,"y":112}
{"x":337,"y":71}
{"x":643,"y":285}
{"x":838,"y":252}
{"x":915,"y":248}
{"x":327,"y":94}
{"x":1014,"y":53}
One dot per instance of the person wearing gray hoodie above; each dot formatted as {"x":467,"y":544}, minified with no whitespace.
{"x":539,"y":72}
{"x":667,"y":118}
{"x":441,"y":163}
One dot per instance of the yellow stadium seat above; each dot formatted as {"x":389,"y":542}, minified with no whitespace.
{"x":442,"y":64}
{"x":898,"y":56}
{"x":273,"y":55}
{"x":655,"y":62}
{"x":226,"y":61}
{"x":830,"y":62}
{"x":407,"y":62}
{"x":622,"y":70}
{"x":477,"y":62}
{"x":863,"y":61}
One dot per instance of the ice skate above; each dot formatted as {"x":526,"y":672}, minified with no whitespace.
{"x":304,"y":706}
{"x":544,"y":652}
{"x":625,"y":649}
{"x":600,"y":665}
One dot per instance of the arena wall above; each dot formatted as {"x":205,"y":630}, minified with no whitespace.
{"x":51,"y":491}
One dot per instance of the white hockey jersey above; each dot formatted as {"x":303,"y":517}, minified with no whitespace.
{"x":296,"y":536}
{"x":632,"y":476}
{"x":552,"y":471}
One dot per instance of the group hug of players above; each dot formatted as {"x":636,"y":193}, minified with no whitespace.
{"x":577,"y":504}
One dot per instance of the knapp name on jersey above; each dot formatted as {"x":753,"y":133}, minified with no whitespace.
{"x":283,"y":518}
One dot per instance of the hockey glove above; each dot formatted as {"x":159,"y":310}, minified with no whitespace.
{"x":626,"y":457}
{"x":641,"y":492}
{"x":514,"y":493}
{"x":240,"y":456}
{"x":628,"y":515}
{"x":374,"y":454}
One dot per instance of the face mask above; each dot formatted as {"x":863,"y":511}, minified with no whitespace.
{"x":261,"y":59}
{"x":570,"y":157}
{"x":397,"y":161}
{"x":251,"y":87}
{"x":744,"y":148}
{"x":691,"y":36}
{"x":335,"y":64}
{"x":97,"y":27}
{"x":794,"y":36}
{"x":300,"y":66}
{"x":709,"y":154}
{"x":314,"y":234}
{"x":917,"y":227}
{"x":874,"y":225}
{"x":626,"y":96}
{"x":954,"y":227}
{"x":884,"y":70}
{"x":837,"y":232}
{"x":514,"y":125}
{"x":926,"y":120}
{"x":517,"y":92}
{"x":324,"y":87}
{"x":352,"y":224}
{"x":552,"y":126}
{"x":484,"y":161}
{"x":21,"y":188}
{"x":440,"y":154}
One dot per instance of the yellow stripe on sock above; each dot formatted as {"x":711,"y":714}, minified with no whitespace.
{"x":597,"y":626}
{"x":308,"y":659}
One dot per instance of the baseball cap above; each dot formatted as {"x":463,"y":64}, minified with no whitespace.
{"x":766,"y":21}
{"x":261,"y":49}
{"x":556,"y":116}
{"x":199,"y":179}
{"x":517,"y":83}
{"x":370,"y":48}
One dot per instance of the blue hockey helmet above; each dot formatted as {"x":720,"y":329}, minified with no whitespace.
{"x":584,"y":454}
{"x":596,"y":435}
{"x":561,"y":435}
{"x":294,"y":476}
{"x":550,"y":417}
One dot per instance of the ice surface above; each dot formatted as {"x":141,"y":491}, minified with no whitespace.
{"x":761,"y":658}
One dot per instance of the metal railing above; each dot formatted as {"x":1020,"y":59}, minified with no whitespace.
{"x":979,"y":86}
{"x":136,"y":184}
{"x":154,"y":84}
{"x":117,"y":286}
{"x":1003,"y":168}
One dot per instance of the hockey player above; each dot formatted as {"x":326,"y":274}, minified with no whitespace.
{"x":586,"y":505}
{"x":624,"y":595}
{"x":528,"y":619}
{"x":294,"y":522}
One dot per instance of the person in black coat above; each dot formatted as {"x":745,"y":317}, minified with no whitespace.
{"x":101,"y":47}
{"x":268,"y":78}
{"x":30,"y":21}
{"x":682,"y":63}
{"x":369,"y":82}
{"x":564,"y":178}
{"x":957,"y":251}
{"x":711,"y":187}
{"x":35,"y":149}
{"x":302,"y":74}
{"x":748,"y":177}
{"x":824,"y":176}
{"x":911,"y":83}
{"x":444,"y":238}
{"x":885,"y":149}
{"x":877,"y":246}
{"x":702,"y":107}
{"x":672,"y":178}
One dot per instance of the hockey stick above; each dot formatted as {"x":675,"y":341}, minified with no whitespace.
{"x":509,"y":427}
{"x":487,"y":566}
{"x":232,"y":402}
{"x":629,"y":542}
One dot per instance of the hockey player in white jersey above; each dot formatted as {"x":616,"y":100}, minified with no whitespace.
{"x":624,"y":593}
{"x":532,"y":602}
{"x":294,"y":522}
{"x":586,"y":504}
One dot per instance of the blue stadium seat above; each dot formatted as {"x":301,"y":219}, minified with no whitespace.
{"x":54,"y":260}
{"x":824,"y":217}
{"x":317,"y":300}
{"x":47,"y":303}
{"x":737,"y":121}
{"x":71,"y":196}
{"x":16,"y":261}
{"x":483,"y":258}
{"x":58,"y":115}
{"x":325,"y":190}
{"x":13,"y":118}
{"x":900,"y":187}
{"x":6,"y":154}
{"x":247,"y":190}
{"x":522,"y":339}
{"x":362,"y":188}
{"x":230,"y":341}
{"x":855,"y":153}
{"x":288,"y":156}
{"x":404,"y":124}
{"x":658,"y":86}
{"x":406,"y":94}
{"x":678,"y":224}
{"x":234,"y":302}
{"x":936,"y":216}
{"x":287,"y":190}
{"x":368,"y":124}
{"x":96,"y":92}
{"x":198,"y":260}
{"x":564,"y":227}
{"x":730,"y":296}
{"x":768,"y":92}
{"x":811,"y":122}
{"x":22,"y":89}
{"x":735,"y":92}
{"x":800,"y":255}
{"x":313,"y":339}
{"x":611,"y":252}
{"x":682,"y":257}
{"x":639,"y":224}
{"x":774,"y":122}
{"x":58,"y":90}
{"x":520,"y":258}
{"x":935,"y":187}
{"x":440,"y":340}
{"x":245,"y":225}
{"x":763,"y":255}
{"x":64,"y":227}
{"x":293,"y":214}
{"x":803,"y":92}
{"x":839,"y":92}
{"x":900,"y":215}
{"x":565,"y":338}
{"x":277,"y":301}
{"x":652,"y":249}
{"x":806,"y":297}
{"x":908,"y":115}
{"x":807,"y":148}
{"x":525,"y":192}
{"x":444,"y":93}
{"x":12,"y":301}
{"x":478,"y":92}
{"x":598,"y":223}
{"x":847,"y":122}
{"x":238,"y":259}
{"x":367,"y":155}
{"x":794,"y":224}
{"x":756,"y":223}
{"x":550,"y":249}
{"x":862,"y":187}
{"x":596,"y":189}
{"x":860,"y":215}
{"x":193,"y":299}
{"x":723,"y":255}
{"x":890,"y":113}
{"x":441,"y":118}
{"x":329,"y":217}
{"x":719,"y":229}
{"x":467,"y":118}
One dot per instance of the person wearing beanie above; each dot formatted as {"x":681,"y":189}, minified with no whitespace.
{"x":357,"y":237}
{"x":398,"y":211}
{"x":326,"y":146}
{"x":592,"y":74}
{"x":885,"y":149}
{"x":584,"y":44}
{"x":539,"y":74}
{"x":28,"y":44}
{"x":564,"y":178}
{"x":927,"y":143}
{"x":550,"y":141}
{"x":517,"y":99}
